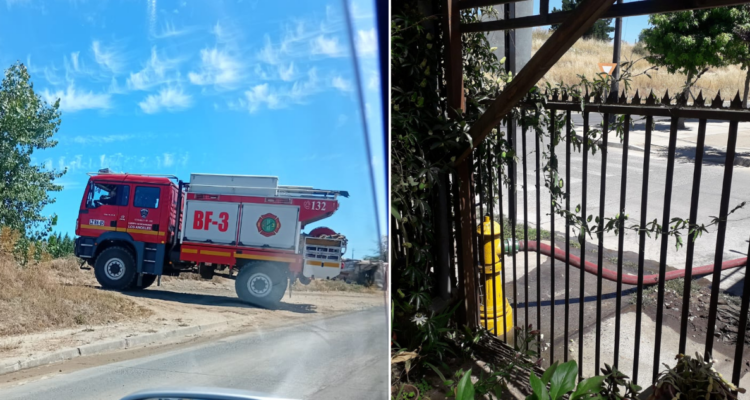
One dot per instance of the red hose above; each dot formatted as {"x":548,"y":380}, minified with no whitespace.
{"x":628,"y":279}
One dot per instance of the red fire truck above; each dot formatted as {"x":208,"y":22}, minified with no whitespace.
{"x":132,"y":228}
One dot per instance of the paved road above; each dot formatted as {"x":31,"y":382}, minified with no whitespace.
{"x":344,"y":357}
{"x":738,"y":231}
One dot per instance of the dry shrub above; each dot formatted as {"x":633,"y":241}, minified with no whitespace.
{"x":583,"y":57}
{"x":55,"y":295}
{"x":8,"y":240}
{"x":323,"y":285}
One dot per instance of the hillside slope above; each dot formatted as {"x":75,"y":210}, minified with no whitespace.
{"x":583,"y":57}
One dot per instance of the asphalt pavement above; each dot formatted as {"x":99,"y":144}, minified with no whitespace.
{"x":343,"y":357}
{"x":738,"y":230}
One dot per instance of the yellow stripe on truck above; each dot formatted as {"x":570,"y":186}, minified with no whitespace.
{"x":190,"y":251}
{"x":322,"y":264}
{"x":99,"y":227}
{"x":264,"y":258}
{"x":145,"y":232}
{"x":112,"y":228}
{"x":216,"y":253}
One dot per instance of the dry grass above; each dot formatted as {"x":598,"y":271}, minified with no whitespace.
{"x":189,"y":276}
{"x":320,"y":285}
{"x":583,"y":57}
{"x":54,"y":295}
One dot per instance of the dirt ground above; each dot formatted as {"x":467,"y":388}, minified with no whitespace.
{"x":183,"y":302}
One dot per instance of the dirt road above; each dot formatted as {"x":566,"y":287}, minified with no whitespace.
{"x":340,"y":357}
{"x":182,"y":303}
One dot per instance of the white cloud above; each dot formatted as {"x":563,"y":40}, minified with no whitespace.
{"x":278,"y":96}
{"x":359,"y":12}
{"x":154,"y":72}
{"x":341,"y":84}
{"x":99,"y":139}
{"x":73,"y":100}
{"x":113,"y":162}
{"x":168,"y":159}
{"x":301,"y":89}
{"x":151,"y":9}
{"x":261,"y":95}
{"x":218,"y":68}
{"x":107,"y":57}
{"x":330,"y":47}
{"x":374,"y":81}
{"x":74,"y":60}
{"x":366,"y":42}
{"x":184,"y":159}
{"x":119,"y":162}
{"x":11,"y":3}
{"x":169,"y":99}
{"x":286,"y":74}
{"x":168,"y":30}
{"x":73,"y":165}
{"x":269,"y":54}
{"x":225,"y":34}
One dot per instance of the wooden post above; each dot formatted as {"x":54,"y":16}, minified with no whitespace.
{"x":466,"y":258}
{"x":454,"y":74}
{"x":456,"y":101}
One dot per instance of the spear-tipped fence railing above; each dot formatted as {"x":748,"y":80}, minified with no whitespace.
{"x":488,"y":170}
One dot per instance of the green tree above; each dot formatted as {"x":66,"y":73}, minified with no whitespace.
{"x":742,"y":31}
{"x":27,"y":123}
{"x":599,"y":31}
{"x":692,"y":42}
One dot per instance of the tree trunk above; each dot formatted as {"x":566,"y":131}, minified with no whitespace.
{"x":686,"y":93}
{"x":747,"y":87}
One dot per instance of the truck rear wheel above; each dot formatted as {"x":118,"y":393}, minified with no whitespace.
{"x":261,"y":284}
{"x":206,"y":271}
{"x":114,"y":268}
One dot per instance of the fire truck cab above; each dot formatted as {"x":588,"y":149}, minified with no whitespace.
{"x":132,"y":228}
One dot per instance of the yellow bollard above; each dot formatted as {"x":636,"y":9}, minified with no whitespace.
{"x":494,"y":293}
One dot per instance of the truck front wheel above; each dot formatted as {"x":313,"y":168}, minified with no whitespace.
{"x":146,"y":281}
{"x":261,"y":284}
{"x":115,"y":268}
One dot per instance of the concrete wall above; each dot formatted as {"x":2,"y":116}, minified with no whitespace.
{"x":523,"y":36}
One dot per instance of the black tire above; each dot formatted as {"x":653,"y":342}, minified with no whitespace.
{"x":206,"y":271}
{"x":146,"y":281}
{"x":115,"y":268}
{"x":258,"y":277}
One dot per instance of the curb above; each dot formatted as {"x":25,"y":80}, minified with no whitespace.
{"x":96,"y":348}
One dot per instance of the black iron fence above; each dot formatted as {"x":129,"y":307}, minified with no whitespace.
{"x":497,"y":193}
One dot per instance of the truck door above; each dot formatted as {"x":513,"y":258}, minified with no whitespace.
{"x":144,"y":214}
{"x":106,"y":206}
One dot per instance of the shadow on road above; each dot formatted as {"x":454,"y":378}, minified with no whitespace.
{"x":214,"y":300}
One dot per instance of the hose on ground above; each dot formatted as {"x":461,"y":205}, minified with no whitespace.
{"x":627,"y":279}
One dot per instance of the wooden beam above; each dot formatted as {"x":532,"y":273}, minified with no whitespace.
{"x":464,"y":4}
{"x":466,"y":258}
{"x":454,"y":74}
{"x":558,"y":44}
{"x":644,"y":7}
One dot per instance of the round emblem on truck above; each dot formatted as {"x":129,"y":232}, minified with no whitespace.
{"x":268,"y":225}
{"x":307,"y":205}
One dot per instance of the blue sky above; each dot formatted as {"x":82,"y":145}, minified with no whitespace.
{"x":235,"y":87}
{"x":631,"y":26}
